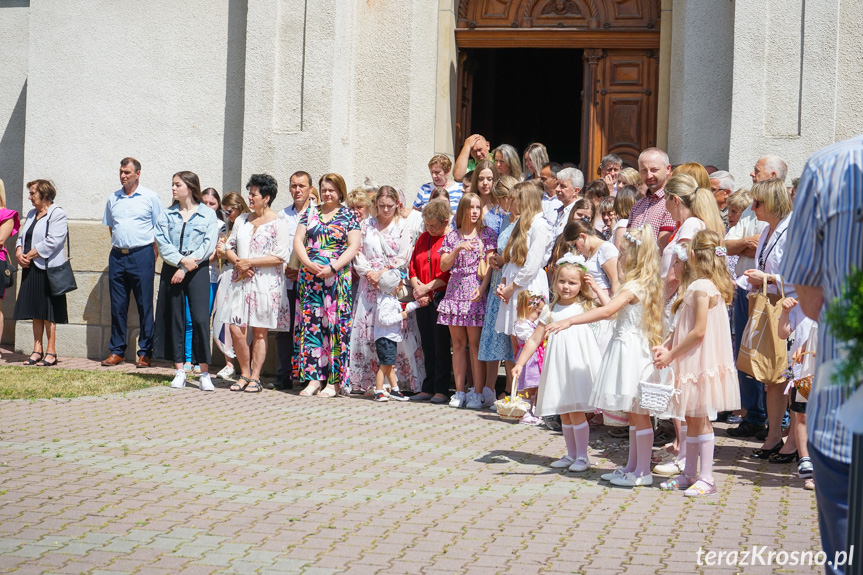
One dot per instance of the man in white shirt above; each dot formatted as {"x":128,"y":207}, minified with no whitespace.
{"x":550,"y":203}
{"x":569,"y":184}
{"x":742,"y":240}
{"x":301,"y":187}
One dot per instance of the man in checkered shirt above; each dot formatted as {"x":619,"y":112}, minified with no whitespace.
{"x":655,"y":169}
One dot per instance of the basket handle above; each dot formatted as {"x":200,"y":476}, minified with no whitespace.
{"x":663,"y":374}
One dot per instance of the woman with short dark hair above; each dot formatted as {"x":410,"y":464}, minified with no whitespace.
{"x":41,"y":246}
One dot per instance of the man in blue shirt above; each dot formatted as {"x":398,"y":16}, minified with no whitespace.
{"x":130,"y":214}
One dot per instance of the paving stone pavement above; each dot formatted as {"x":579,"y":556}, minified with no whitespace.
{"x":180,"y":481}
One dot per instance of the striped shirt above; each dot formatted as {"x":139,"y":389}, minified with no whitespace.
{"x":825,"y":242}
{"x":454,"y":189}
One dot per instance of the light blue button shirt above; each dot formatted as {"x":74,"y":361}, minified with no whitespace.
{"x":196,"y":237}
{"x":132,"y":219}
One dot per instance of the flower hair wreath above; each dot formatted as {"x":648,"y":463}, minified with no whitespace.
{"x":536,"y":299}
{"x":571,"y":258}
{"x":631,"y":238}
{"x":720,"y":251}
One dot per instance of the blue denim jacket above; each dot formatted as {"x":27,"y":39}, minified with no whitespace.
{"x":197,"y":236}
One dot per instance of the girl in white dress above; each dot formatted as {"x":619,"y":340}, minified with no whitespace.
{"x":571,"y":360}
{"x":638,"y":306}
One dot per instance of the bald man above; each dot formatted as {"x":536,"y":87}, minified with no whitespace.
{"x":476,"y":149}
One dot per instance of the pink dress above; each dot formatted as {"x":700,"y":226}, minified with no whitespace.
{"x":5,"y":215}
{"x":456,"y":307}
{"x":706,"y":374}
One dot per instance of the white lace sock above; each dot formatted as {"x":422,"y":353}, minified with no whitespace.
{"x":681,"y":445}
{"x":644,"y":447}
{"x":633,"y":452}
{"x":581,"y":434}
{"x":705,"y":448}
{"x":691,"y":467}
{"x":569,"y":437}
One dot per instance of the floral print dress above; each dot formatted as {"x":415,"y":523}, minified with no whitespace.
{"x":261,"y":300}
{"x":456,"y":307}
{"x":323,"y":334}
{"x":380,"y":250}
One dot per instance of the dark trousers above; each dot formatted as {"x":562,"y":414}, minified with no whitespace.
{"x":436,"y":350}
{"x":170,"y":340}
{"x":285,"y":340}
{"x":133,"y":272}
{"x":831,"y":494}
{"x":752,"y":396}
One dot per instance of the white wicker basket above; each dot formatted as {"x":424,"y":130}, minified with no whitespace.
{"x":655,"y":397}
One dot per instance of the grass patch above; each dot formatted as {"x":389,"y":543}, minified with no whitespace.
{"x":48,"y":383}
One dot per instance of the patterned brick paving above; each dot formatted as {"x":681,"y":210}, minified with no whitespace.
{"x":165,"y":481}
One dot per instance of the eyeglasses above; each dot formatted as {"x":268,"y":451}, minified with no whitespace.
{"x":228,"y":211}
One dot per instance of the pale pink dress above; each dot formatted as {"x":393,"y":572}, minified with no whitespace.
{"x":706,"y":374}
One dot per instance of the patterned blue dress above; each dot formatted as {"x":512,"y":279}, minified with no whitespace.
{"x":493,"y":345}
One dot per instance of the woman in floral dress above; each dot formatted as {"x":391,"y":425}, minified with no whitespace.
{"x":327,"y":239}
{"x":386,"y":243}
{"x":257,"y":299}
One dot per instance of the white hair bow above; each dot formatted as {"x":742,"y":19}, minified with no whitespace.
{"x":680,"y":252}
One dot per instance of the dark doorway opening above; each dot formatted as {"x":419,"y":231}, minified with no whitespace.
{"x":524,"y":95}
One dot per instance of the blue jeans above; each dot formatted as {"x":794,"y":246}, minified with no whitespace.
{"x":213,"y":287}
{"x":752,"y":396}
{"x":831,"y":495}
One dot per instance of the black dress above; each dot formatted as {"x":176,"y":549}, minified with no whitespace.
{"x":34,"y":298}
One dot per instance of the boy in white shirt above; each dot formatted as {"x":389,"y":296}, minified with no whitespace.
{"x":387,"y":333}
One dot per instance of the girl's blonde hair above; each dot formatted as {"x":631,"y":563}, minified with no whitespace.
{"x":700,"y":201}
{"x":703,"y":263}
{"x":641,"y":264}
{"x":495,"y":178}
{"x":463,"y":211}
{"x":585,"y":295}
{"x":529,"y":199}
{"x":523,"y":303}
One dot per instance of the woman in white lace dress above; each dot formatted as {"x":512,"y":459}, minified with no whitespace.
{"x":386,"y":244}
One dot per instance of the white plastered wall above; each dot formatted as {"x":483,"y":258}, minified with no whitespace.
{"x":14,"y":38}
{"x":347,"y":87}
{"x":115,"y":78}
{"x":797,"y":72}
{"x":702,"y":52}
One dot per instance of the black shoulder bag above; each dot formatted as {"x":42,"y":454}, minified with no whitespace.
{"x":61,"y":280}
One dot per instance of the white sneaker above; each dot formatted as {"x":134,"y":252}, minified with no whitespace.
{"x":616,"y":474}
{"x":580,"y":464}
{"x":179,"y":381}
{"x":458,"y":399}
{"x":474,"y":400}
{"x":205,"y":383}
{"x":227,"y":372}
{"x":562,"y":463}
{"x":488,"y":397}
{"x":630,"y":480}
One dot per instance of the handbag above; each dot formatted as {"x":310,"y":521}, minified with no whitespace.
{"x":61,"y":279}
{"x":763,"y":354}
{"x":655,"y":397}
{"x":483,"y":267}
{"x":7,"y":273}
{"x":294,"y":261}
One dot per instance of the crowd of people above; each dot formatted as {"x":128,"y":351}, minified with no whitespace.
{"x":582,"y":290}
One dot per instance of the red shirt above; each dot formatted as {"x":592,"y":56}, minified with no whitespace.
{"x":651,"y":210}
{"x":425,"y":261}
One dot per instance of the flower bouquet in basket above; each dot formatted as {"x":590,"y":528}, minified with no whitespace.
{"x":512,"y":407}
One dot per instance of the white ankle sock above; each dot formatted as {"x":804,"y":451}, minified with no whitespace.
{"x":581,"y":434}
{"x":569,"y":437}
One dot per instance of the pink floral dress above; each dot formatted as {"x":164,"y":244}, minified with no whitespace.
{"x":380,"y":250}
{"x":456,"y":308}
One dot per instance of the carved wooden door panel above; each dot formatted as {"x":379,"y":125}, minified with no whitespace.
{"x":620,"y":112}
{"x":464,"y":98}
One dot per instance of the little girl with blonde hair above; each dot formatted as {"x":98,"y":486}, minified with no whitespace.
{"x":638,"y":305}
{"x":571,"y":359}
